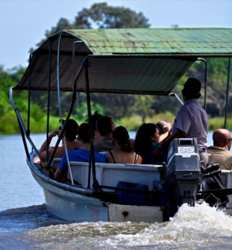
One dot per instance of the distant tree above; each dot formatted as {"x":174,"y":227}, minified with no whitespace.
{"x":63,"y":23}
{"x":102,"y":15}
{"x":143,"y":106}
{"x":115,"y":105}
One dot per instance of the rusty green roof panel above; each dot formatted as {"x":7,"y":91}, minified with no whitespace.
{"x":136,"y":61}
{"x":157,"y":41}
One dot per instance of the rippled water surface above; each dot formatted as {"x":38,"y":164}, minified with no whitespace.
{"x":25,"y":223}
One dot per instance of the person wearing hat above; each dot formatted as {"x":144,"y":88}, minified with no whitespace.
{"x":220,"y":151}
{"x":192,"y":120}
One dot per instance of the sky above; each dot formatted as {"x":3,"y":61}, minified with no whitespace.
{"x":23,"y":22}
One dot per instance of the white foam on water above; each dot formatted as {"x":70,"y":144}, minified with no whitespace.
{"x":191,"y":228}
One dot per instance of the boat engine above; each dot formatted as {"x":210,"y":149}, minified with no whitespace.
{"x":183,"y":172}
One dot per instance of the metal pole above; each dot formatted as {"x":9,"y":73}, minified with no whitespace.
{"x":205,"y":78}
{"x":29,"y":101}
{"x":70,"y":110}
{"x":177,"y":97}
{"x":49,"y":96}
{"x":20,"y":122}
{"x":227,"y":90}
{"x":92,"y":151}
{"x":58,"y":76}
{"x":68,"y":162}
{"x":206,"y":83}
{"x":59,"y":104}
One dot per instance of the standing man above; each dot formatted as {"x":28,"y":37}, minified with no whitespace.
{"x":192,"y":119}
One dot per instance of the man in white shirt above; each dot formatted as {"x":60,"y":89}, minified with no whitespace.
{"x":191,"y":120}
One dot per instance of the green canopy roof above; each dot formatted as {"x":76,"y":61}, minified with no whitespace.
{"x":200,"y":41}
{"x":123,"y":60}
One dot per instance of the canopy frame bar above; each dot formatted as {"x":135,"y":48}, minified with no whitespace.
{"x":227,"y":91}
{"x":48,"y":98}
{"x":92,"y":150}
{"x":70,"y":110}
{"x":29,"y":103}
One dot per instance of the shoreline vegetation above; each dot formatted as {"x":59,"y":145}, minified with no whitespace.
{"x":127,"y":110}
{"x":9,"y":126}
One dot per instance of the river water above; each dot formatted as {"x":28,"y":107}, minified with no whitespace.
{"x":25,"y":223}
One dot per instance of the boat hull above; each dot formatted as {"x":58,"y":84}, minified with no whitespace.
{"x":77,"y":205}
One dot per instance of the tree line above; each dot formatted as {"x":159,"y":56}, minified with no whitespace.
{"x":129,"y":110}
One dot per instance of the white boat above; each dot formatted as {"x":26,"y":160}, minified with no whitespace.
{"x":125,"y":61}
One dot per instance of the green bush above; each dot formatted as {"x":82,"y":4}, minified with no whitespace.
{"x":133,"y":122}
{"x":167,"y":116}
{"x":8,"y":123}
{"x":218,"y":122}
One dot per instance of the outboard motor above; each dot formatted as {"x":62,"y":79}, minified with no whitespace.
{"x":183,"y":173}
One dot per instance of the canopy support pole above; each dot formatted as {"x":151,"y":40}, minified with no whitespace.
{"x":49,"y":97}
{"x":70,"y":110}
{"x":58,"y":76}
{"x":206,"y":83}
{"x":22,"y":128}
{"x":29,"y":103}
{"x":205,"y":79}
{"x":227,"y":90}
{"x":59,"y":105}
{"x":92,"y":150}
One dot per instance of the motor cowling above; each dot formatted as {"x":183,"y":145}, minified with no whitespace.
{"x":183,"y":170}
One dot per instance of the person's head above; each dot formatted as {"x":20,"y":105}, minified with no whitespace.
{"x":121,"y":137}
{"x":71,"y":129}
{"x":94,"y":119}
{"x":222,"y":138}
{"x":84,"y":133}
{"x":105,"y":125}
{"x":146,"y":135}
{"x":192,"y":89}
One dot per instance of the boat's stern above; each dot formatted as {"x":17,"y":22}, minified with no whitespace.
{"x":183,"y":170}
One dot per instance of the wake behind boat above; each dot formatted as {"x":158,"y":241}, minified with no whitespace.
{"x":124,"y":61}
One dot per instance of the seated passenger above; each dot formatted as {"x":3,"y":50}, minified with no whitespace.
{"x":103,"y":134}
{"x":122,"y":151}
{"x":147,"y":143}
{"x":70,"y":133}
{"x":220,"y":151}
{"x":79,"y":154}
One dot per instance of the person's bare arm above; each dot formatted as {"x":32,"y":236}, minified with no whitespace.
{"x":46,"y":143}
{"x":178,"y":134}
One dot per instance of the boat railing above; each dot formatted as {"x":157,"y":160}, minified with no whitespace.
{"x":25,"y":135}
{"x":111,"y":174}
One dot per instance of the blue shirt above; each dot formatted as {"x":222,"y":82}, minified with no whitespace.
{"x":80,"y":155}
